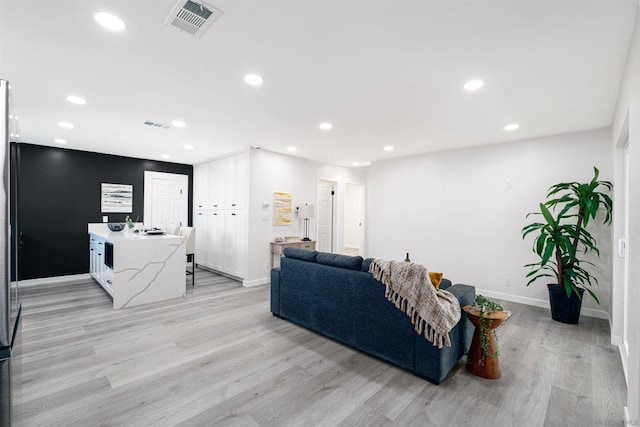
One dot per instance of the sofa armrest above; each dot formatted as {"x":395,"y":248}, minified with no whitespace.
{"x":275,"y":291}
{"x":466,"y":294}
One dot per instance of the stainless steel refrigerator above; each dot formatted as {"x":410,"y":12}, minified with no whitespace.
{"x":10,"y":307}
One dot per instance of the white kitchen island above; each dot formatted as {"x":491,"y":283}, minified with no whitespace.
{"x":137,"y":268}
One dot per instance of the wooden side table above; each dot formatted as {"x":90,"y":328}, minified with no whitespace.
{"x":278,"y":247}
{"x":490,"y":366}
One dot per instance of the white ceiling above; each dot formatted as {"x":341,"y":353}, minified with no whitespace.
{"x":383,"y":72}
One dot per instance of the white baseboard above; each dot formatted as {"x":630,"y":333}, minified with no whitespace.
{"x":628,"y":422}
{"x":256,"y":282}
{"x":54,"y":280}
{"x":589,"y":312}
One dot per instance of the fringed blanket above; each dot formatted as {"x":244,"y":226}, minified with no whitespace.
{"x":433,"y":313}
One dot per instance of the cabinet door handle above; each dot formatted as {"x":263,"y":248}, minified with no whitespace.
{"x":215,"y":206}
{"x":199,"y":206}
{"x":200,"y":213}
{"x":233,"y":204}
{"x":91,"y":249}
{"x":233,"y":214}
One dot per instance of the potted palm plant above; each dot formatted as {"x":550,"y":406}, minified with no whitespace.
{"x":561,"y":240}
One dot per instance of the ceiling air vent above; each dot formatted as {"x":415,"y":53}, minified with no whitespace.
{"x":156,"y":124}
{"x":193,"y":17}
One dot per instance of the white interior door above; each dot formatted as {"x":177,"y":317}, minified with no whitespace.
{"x":166,"y":197}
{"x":326,"y":199}
{"x":353,"y":219}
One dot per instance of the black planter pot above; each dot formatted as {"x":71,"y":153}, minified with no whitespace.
{"x":564,"y":309}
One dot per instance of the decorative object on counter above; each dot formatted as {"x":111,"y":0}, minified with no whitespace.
{"x":407,"y":259}
{"x":116,"y":198}
{"x":115,"y":226}
{"x":487,"y":316}
{"x":292,"y":238}
{"x":306,"y":212}
{"x":129,"y":222}
{"x":278,"y":240}
{"x":281,"y":208}
{"x":561,"y":238}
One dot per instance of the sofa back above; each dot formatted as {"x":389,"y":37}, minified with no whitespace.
{"x":346,"y":304}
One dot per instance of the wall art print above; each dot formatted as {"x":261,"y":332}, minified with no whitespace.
{"x":282,"y":213}
{"x":116,"y":198}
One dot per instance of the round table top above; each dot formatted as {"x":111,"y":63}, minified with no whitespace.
{"x":493,"y":315}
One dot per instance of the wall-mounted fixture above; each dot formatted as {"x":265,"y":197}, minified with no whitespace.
{"x":306,"y":212}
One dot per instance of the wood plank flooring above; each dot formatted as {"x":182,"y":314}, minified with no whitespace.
{"x":219,"y":358}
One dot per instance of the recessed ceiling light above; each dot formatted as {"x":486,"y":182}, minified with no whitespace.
{"x":291,"y":149}
{"x":326,"y":126}
{"x":66,"y":125}
{"x":59,"y":141}
{"x":188,"y":147}
{"x":165,"y":156}
{"x":473,"y":85}
{"x":76,"y":100}
{"x":109,"y":21}
{"x":178,"y":123}
{"x":253,"y":79}
{"x":388,"y":148}
{"x":511,"y":127}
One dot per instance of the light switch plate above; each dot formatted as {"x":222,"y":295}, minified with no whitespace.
{"x":105,"y":218}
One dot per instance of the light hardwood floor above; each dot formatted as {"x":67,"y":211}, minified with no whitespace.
{"x":219,"y":358}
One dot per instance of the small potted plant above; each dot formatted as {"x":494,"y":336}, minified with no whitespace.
{"x":561,"y":239}
{"x":129,"y":222}
{"x":485,"y":307}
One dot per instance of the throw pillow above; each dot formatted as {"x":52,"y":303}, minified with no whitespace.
{"x":435,"y":279}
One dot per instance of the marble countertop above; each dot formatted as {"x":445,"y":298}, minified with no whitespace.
{"x":101,"y":230}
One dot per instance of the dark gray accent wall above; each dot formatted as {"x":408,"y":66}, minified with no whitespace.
{"x":59,"y":194}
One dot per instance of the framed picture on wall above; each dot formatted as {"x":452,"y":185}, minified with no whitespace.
{"x":282,"y":212}
{"x":116,"y":198}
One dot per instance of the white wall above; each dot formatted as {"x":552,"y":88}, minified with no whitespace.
{"x":629,"y":105}
{"x":271,"y":172}
{"x":453,"y":212}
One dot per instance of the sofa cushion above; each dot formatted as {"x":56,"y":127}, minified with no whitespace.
{"x":444,"y":284}
{"x":301,"y":254}
{"x":341,"y":261}
{"x":366,"y":263}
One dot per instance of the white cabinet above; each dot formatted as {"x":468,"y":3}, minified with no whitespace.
{"x":235,"y":247}
{"x":217,"y":183}
{"x":220,"y":198}
{"x":201,"y":198}
{"x":236,"y":192}
{"x":97,"y":267}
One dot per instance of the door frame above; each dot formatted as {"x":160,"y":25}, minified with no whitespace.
{"x":148,"y":193}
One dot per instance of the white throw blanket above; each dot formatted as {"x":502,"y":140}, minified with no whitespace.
{"x":433,"y":313}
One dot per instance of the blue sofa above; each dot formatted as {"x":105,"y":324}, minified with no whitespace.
{"x":336,"y":296}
